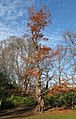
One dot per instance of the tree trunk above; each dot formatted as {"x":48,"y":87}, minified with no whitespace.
{"x":59,"y":72}
{"x":38,"y":95}
{"x":0,"y":102}
{"x":40,"y":101}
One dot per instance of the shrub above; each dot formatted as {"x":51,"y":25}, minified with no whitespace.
{"x":74,"y":107}
{"x":66,"y":100}
{"x":7,"y":105}
{"x":19,"y":100}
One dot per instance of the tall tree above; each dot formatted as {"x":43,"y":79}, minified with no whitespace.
{"x":39,"y":53}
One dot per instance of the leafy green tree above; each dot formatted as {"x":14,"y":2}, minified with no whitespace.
{"x":6,"y":85}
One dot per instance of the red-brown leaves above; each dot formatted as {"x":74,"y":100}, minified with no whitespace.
{"x":32,"y":72}
{"x":45,"y":49}
{"x":34,"y":28}
{"x":62,"y":88}
{"x":42,"y":52}
{"x":38,"y":17}
{"x":38,"y":21}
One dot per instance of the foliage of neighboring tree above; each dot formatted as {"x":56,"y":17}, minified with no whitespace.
{"x":5,"y":86}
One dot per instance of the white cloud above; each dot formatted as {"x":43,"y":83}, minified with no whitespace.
{"x":10,"y":13}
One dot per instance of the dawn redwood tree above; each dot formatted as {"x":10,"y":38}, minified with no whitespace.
{"x":39,"y":53}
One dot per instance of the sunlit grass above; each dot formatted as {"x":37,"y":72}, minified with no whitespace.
{"x":54,"y":115}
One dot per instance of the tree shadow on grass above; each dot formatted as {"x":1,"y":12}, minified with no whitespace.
{"x":16,"y":113}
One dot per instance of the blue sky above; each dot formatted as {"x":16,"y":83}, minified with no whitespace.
{"x":14,"y":16}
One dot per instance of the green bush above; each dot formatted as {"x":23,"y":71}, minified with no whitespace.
{"x":13,"y":101}
{"x":19,"y":100}
{"x":47,"y":100}
{"x":7,"y":105}
{"x":74,"y":107}
{"x":66,"y":100}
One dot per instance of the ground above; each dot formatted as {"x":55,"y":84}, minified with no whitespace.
{"x":25,"y":114}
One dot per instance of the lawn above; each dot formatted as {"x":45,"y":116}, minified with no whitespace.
{"x":56,"y":114}
{"x":68,"y":114}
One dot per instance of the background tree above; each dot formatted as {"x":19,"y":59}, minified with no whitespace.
{"x":70,"y":40}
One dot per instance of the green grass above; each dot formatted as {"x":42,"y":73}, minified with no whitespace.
{"x":52,"y":117}
{"x":55,"y":115}
{"x":63,"y":114}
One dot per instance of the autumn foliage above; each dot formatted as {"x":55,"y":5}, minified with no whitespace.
{"x":38,"y":22}
{"x":39,"y":70}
